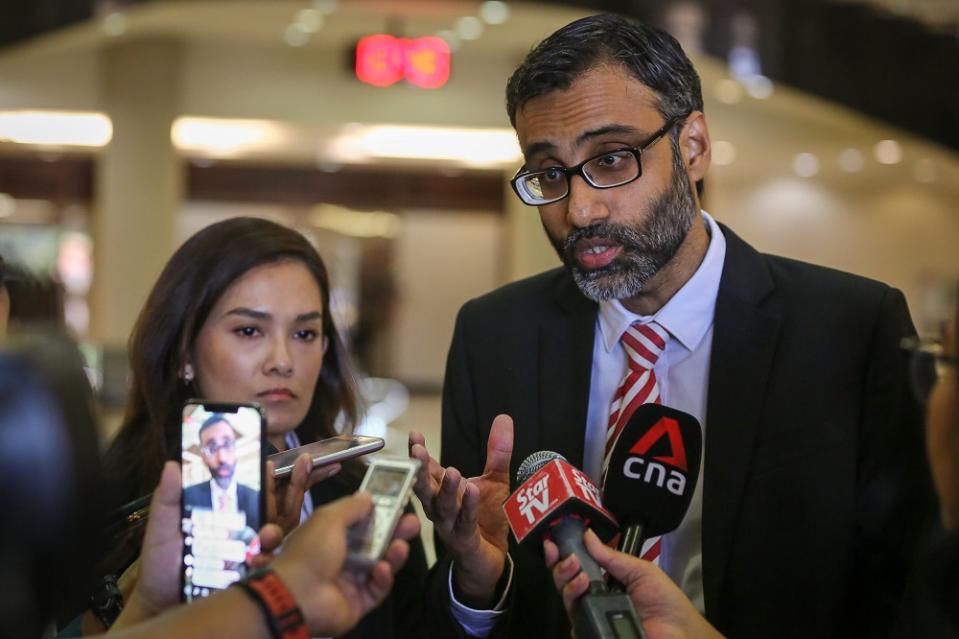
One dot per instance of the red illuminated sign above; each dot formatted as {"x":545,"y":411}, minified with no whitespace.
{"x":382,"y":60}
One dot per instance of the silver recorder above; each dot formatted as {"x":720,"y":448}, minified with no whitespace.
{"x":390,"y":482}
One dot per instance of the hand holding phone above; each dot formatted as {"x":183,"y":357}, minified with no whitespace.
{"x":390,"y":482}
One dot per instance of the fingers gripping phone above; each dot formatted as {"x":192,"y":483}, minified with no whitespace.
{"x":390,"y":482}
{"x":222,"y":502}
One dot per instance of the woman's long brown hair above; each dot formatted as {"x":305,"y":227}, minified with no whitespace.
{"x":196,"y":276}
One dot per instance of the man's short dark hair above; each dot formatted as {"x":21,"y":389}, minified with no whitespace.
{"x":651,"y":55}
{"x":215,"y":418}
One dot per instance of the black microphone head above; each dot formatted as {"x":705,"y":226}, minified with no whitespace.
{"x":653,"y":469}
{"x":534,"y":462}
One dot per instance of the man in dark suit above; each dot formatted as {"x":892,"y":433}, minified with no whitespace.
{"x":813,"y":487}
{"x":222,"y":493}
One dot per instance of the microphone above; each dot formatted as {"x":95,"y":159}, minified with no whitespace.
{"x":557,"y":499}
{"x":561,"y":501}
{"x":652,"y":473}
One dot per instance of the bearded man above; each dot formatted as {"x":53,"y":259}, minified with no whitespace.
{"x":812,"y":488}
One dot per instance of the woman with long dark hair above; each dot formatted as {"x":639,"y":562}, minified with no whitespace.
{"x":241,"y":313}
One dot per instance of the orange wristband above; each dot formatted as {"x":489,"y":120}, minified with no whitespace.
{"x":283,"y":616}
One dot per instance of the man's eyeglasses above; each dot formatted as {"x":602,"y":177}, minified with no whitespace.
{"x":927,"y":363}
{"x":603,"y":171}
{"x":212,"y":448}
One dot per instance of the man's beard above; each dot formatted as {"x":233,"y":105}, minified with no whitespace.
{"x":645,"y":251}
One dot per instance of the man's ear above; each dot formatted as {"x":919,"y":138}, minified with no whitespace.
{"x":695,"y":146}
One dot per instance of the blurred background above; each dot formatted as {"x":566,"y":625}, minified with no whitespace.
{"x":127,"y":126}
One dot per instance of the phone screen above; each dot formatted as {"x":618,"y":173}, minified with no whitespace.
{"x":222,"y":500}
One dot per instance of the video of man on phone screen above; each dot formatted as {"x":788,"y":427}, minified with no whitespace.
{"x":221,"y":497}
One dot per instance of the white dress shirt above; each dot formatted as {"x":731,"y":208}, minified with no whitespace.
{"x":682,"y":372}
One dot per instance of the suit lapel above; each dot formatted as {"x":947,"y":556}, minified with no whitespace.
{"x":566,"y":363}
{"x":744,"y":340}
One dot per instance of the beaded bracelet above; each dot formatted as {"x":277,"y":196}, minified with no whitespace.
{"x":282,"y":614}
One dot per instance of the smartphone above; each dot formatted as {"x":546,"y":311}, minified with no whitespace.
{"x":390,"y":482}
{"x":222,"y":501}
{"x":326,"y":451}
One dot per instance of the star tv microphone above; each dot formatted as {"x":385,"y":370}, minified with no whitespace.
{"x":652,"y":473}
{"x":561,"y":501}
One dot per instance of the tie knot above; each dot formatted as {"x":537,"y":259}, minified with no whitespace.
{"x":644,"y":343}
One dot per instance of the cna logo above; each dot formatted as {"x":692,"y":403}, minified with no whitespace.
{"x":669,"y":428}
{"x":654,"y":471}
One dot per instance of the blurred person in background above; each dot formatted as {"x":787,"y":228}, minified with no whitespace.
{"x":942,"y":443}
{"x":240,"y":313}
{"x":54,"y":510}
{"x":30,"y":301}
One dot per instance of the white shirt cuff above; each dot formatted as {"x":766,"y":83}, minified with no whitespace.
{"x":479,"y":623}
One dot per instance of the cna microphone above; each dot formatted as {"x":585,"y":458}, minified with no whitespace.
{"x":561,"y":501}
{"x":652,"y":473}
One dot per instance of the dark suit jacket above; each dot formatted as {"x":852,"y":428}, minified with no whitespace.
{"x":814,"y":468}
{"x":247,"y":501}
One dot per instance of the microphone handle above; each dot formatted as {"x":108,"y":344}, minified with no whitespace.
{"x":632,"y":540}
{"x":568,"y":534}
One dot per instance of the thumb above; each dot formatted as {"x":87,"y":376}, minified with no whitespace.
{"x":167,"y":493}
{"x":499,"y":447}
{"x":165,"y":505}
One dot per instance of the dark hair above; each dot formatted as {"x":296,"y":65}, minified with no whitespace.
{"x":53,"y":511}
{"x":34,"y":301}
{"x":650,"y":55}
{"x":191,"y":283}
{"x":213,"y":420}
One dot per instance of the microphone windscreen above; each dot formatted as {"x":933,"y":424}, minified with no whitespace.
{"x":556,"y":490}
{"x":534,"y":462}
{"x":654,"y":468}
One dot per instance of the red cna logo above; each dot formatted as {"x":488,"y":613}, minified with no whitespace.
{"x":669,"y":428}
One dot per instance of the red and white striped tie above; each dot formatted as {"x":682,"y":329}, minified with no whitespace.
{"x":643,"y":343}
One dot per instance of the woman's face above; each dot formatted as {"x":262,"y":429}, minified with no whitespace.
{"x":263,"y":342}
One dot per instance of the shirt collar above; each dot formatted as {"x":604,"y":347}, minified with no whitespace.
{"x":689,"y":312}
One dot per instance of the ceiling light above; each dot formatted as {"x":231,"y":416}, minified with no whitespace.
{"x":494,"y":12}
{"x":758,"y":86}
{"x":805,"y":165}
{"x":309,"y":20}
{"x":219,"y":137}
{"x":295,"y":35}
{"x":887,"y":152}
{"x":56,"y":128}
{"x":115,"y":24}
{"x":469,"y":147}
{"x":469,"y":28}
